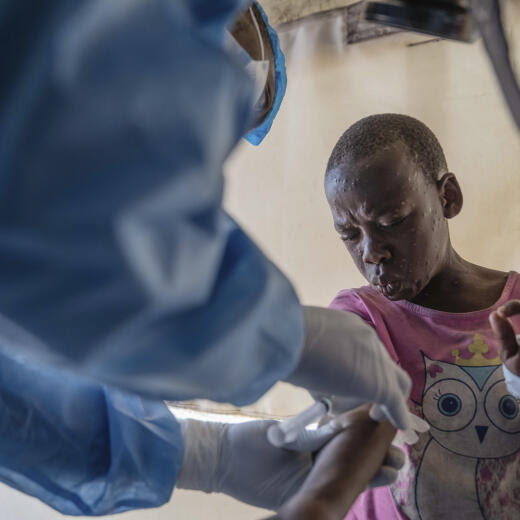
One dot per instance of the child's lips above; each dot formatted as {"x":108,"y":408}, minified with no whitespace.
{"x":388,"y":287}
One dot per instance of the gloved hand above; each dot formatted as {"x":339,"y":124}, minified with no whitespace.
{"x":343,"y":357}
{"x":238,"y":460}
{"x":409,"y":436}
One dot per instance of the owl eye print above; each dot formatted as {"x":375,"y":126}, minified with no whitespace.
{"x":449,"y":405}
{"x":502,"y":409}
{"x":470,"y":410}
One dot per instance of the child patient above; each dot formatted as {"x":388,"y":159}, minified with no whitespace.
{"x":391,"y":195}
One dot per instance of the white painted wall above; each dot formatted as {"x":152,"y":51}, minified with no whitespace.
{"x":276,"y":190}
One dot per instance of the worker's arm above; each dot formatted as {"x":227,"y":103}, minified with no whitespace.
{"x":342,"y":470}
{"x":80,"y":447}
{"x":116,"y":258}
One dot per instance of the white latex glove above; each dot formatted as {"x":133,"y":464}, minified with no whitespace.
{"x":238,"y":460}
{"x":409,"y":436}
{"x":344,"y":357}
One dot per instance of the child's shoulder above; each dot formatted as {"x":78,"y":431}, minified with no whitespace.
{"x":360,"y":300}
{"x":345,"y":296}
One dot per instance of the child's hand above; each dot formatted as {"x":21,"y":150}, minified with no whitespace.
{"x":503,"y":330}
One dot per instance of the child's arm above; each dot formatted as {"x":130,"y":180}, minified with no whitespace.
{"x":343,"y":469}
{"x":509,"y":345}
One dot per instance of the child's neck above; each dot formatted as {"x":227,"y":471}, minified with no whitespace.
{"x":461,"y":286}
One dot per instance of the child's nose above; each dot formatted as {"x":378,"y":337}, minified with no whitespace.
{"x":374,"y":252}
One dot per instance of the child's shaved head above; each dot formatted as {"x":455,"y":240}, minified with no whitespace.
{"x":374,"y":133}
{"x":391,"y":195}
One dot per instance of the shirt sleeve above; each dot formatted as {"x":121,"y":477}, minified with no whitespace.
{"x":115,"y":254}
{"x":82,"y":448}
{"x":349,"y":301}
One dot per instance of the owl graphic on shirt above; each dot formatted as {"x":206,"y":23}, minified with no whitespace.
{"x":468,"y":465}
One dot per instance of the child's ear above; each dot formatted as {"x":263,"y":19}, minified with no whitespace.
{"x":450,"y":195}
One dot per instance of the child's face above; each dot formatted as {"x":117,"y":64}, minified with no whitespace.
{"x":390,"y":217}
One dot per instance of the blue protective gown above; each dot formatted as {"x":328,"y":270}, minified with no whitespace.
{"x":82,"y":448}
{"x":117,"y":262}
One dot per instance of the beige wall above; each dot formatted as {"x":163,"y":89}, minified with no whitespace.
{"x":276,"y":190}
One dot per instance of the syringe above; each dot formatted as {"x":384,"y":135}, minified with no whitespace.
{"x":287,"y":431}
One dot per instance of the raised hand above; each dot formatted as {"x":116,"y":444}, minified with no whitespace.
{"x":505,"y":333}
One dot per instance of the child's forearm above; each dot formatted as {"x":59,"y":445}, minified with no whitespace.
{"x":342,"y":471}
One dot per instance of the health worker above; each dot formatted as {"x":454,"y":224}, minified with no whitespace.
{"x":124,"y":283}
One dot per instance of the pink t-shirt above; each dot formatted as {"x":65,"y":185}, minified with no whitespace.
{"x":467,"y":465}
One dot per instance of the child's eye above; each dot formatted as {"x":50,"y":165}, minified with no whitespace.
{"x":348,"y":237}
{"x":392,"y":224}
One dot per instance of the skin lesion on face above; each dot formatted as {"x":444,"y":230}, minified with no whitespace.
{"x":391,"y":219}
